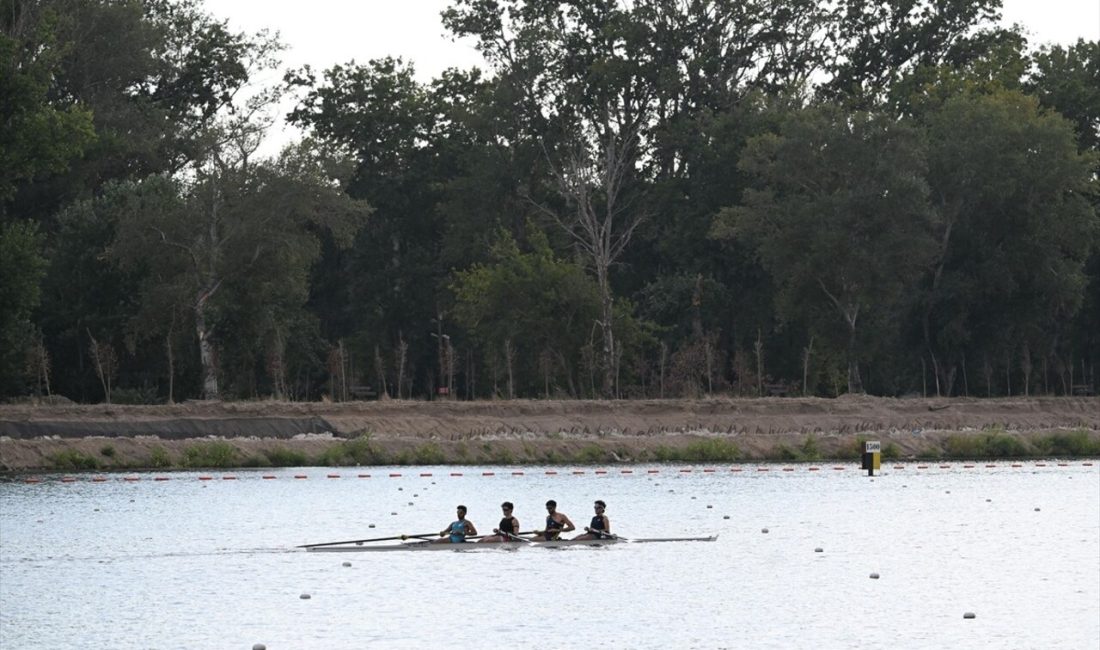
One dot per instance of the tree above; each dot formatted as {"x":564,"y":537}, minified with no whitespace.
{"x":37,"y":136}
{"x":839,"y":215}
{"x":531,"y":301}
{"x":1065,"y":79}
{"x":253,"y":224}
{"x":21,"y":269}
{"x":1013,"y":229}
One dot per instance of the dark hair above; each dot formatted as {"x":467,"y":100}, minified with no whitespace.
{"x":600,"y":503}
{"x":507,"y":505}
{"x":462,"y":508}
{"x":551,"y":502}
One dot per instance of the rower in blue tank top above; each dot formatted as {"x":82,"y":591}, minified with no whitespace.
{"x":600,"y":528}
{"x":556,"y":522}
{"x":457,"y":532}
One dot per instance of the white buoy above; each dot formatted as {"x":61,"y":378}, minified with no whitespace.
{"x":709,"y":506}
{"x":818,"y":550}
{"x":725,"y":516}
{"x":370,"y":525}
{"x":874,"y":576}
{"x":347,"y":563}
{"x":764,"y":530}
{"x":258,"y":646}
{"x":304,"y":596}
{"x":400,"y":489}
{"x":1036,"y":510}
{"x":393,"y":513}
{"x":969,"y":615}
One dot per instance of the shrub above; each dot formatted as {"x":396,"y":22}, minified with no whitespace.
{"x":711,"y":449}
{"x":210,"y":454}
{"x":283,"y":457}
{"x":158,"y":457}
{"x":429,"y":454}
{"x":1073,"y":443}
{"x":810,"y":449}
{"x":72,"y":459}
{"x":107,"y":450}
{"x":590,"y":454}
{"x":890,"y":451}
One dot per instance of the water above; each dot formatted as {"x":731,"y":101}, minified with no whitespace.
{"x":210,"y":564}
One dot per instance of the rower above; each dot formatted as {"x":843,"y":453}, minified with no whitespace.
{"x":508,"y":528}
{"x":457,"y":532}
{"x":600,"y":528}
{"x":556,"y":522}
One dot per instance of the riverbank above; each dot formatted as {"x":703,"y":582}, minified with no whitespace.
{"x":233,"y":434}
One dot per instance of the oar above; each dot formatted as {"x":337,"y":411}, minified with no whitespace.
{"x":516,"y":536}
{"x":603,"y":534}
{"x":374,"y":539}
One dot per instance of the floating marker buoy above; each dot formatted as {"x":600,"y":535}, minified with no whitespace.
{"x":969,"y":615}
{"x":304,"y":596}
{"x":400,"y":489}
{"x":416,"y":495}
{"x":874,"y":576}
{"x":989,"y":500}
{"x":725,"y":516}
{"x":709,"y":506}
{"x":764,"y":530}
{"x":818,"y":550}
{"x":370,"y":525}
{"x":1036,"y":510}
{"x":347,"y":563}
{"x":692,"y":498}
{"x":393,"y":513}
{"x":410,"y":503}
{"x":258,"y":646}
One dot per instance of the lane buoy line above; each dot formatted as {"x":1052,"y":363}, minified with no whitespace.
{"x":131,"y":478}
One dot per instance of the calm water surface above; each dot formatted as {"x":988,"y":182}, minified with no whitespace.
{"x":210,"y":564}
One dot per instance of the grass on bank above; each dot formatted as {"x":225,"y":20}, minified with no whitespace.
{"x":992,"y":444}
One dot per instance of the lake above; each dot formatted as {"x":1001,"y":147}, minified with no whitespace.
{"x":195,"y":560}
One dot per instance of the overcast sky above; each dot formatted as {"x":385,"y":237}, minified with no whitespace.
{"x":322,"y":33}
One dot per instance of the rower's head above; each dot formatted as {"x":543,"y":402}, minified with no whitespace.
{"x":461,"y":512}
{"x":551,"y":505}
{"x":506,"y":506}
{"x":600,"y":505}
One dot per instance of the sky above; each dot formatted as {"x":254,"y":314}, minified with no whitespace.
{"x":322,"y":33}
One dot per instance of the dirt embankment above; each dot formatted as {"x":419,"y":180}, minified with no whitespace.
{"x":33,"y":436}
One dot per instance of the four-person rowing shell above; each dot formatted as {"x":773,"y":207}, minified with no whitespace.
{"x":508,"y":530}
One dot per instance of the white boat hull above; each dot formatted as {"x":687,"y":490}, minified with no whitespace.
{"x":491,"y":546}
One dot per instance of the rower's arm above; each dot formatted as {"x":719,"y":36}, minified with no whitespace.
{"x":470,"y":530}
{"x":568,"y":524}
{"x":606,"y":524}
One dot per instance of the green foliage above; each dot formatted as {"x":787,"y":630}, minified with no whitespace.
{"x":591,"y":454}
{"x":1072,"y":444}
{"x":711,"y":449}
{"x":214,"y":454}
{"x":810,"y":449}
{"x":72,"y":459}
{"x":159,"y":458}
{"x":985,"y":445}
{"x":283,"y":457}
{"x":428,"y":453}
{"x":826,"y":179}
{"x":107,"y":450}
{"x":21,"y":270}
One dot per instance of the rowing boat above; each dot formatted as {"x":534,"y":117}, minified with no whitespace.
{"x":475,"y":546}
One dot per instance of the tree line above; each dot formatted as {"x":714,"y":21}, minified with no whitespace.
{"x":652,"y":198}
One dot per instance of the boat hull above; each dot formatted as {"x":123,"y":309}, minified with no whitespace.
{"x":491,"y":546}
